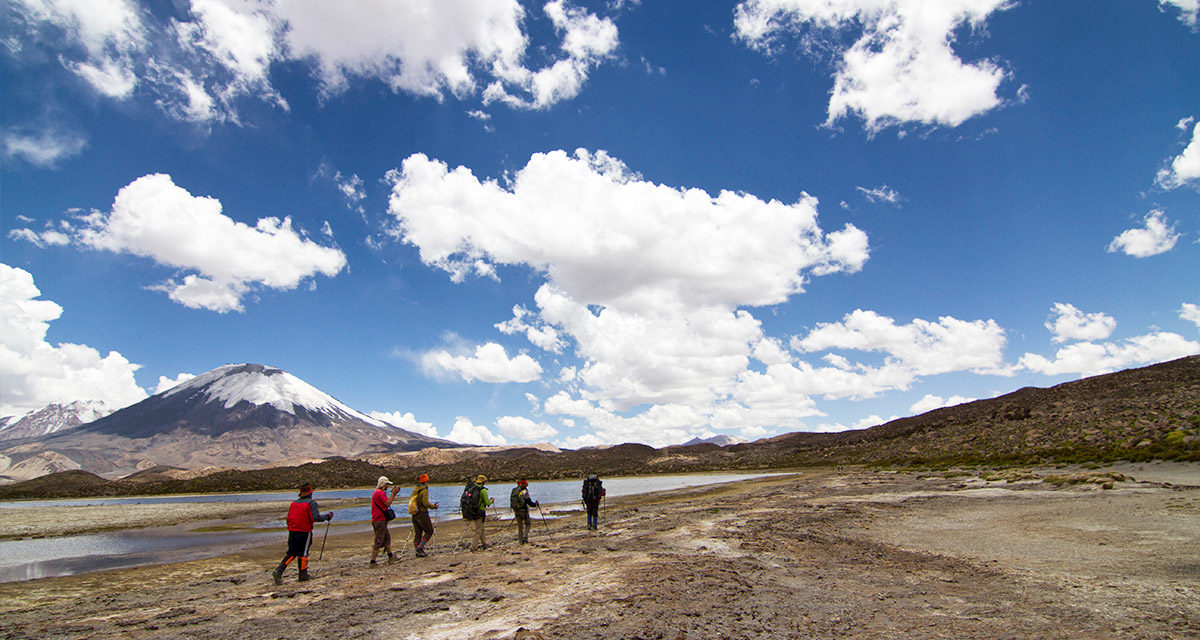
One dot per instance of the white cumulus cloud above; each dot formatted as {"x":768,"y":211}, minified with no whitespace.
{"x":406,"y":421}
{"x":1188,"y":10}
{"x":166,"y":384}
{"x":489,"y":363}
{"x":1156,"y":237}
{"x":199,"y":62}
{"x":922,"y":346}
{"x":1095,"y":358}
{"x":35,"y":373}
{"x":1191,"y":313}
{"x":154,"y":218}
{"x":1185,"y":167}
{"x":524,"y":429}
{"x":645,"y":282}
{"x":931,"y":402}
{"x":1069,"y":323}
{"x":465,"y":432}
{"x":901,"y":69}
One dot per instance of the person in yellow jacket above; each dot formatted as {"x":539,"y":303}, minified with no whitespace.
{"x":418,"y":507}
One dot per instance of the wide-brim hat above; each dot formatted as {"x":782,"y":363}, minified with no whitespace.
{"x":481,"y":479}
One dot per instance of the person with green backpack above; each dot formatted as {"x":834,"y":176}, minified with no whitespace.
{"x":418,"y":508}
{"x":520,"y":502}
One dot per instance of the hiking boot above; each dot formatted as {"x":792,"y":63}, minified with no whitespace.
{"x":304,"y":577}
{"x":277,"y":574}
{"x":372,"y":563}
{"x":420,"y":553}
{"x":391,"y":558}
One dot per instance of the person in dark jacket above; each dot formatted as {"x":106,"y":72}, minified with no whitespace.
{"x":520,"y":503}
{"x":593,"y":493}
{"x":302,"y":513}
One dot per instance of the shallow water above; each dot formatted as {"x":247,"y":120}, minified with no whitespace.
{"x":67,"y":555}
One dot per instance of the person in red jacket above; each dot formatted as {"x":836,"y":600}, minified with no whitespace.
{"x":300,"y":518}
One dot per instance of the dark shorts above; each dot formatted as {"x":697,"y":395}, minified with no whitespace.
{"x":383,"y":538}
{"x":298,"y":543}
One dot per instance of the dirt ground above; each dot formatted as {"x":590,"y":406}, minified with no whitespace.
{"x":824,"y":553}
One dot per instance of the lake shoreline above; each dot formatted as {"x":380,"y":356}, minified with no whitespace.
{"x":850,"y":553}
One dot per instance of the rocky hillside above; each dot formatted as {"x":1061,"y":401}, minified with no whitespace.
{"x":1139,"y":414}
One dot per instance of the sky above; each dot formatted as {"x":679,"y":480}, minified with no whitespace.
{"x":589,"y":223}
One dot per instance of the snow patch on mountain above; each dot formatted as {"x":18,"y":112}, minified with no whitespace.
{"x":53,"y":418}
{"x":256,"y":384}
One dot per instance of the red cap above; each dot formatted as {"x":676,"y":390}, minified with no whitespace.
{"x":424,"y":477}
{"x":522,"y":483}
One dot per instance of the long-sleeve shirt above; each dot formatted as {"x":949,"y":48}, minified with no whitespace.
{"x":301,"y":519}
{"x":420,"y":500}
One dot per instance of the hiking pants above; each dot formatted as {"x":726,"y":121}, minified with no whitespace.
{"x":522,"y":518}
{"x":477,"y":534}
{"x":422,"y":529}
{"x":593,"y":513}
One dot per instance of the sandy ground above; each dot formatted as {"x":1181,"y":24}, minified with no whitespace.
{"x":822,"y":554}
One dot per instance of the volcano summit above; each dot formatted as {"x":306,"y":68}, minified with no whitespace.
{"x":237,"y":415}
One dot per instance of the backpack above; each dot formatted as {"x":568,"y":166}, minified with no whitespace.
{"x":469,"y":503}
{"x":516,"y":501}
{"x":592,"y":490}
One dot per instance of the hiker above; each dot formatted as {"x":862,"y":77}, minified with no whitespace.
{"x":302,"y":513}
{"x":593,"y":493}
{"x":474,"y":504}
{"x":520,"y":502}
{"x":418,"y":508}
{"x":381,"y":506}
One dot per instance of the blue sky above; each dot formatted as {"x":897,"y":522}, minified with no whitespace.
{"x":598,"y":222}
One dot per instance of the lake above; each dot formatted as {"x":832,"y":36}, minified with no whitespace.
{"x":27,"y":559}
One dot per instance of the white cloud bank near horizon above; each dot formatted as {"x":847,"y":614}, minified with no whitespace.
{"x":1087,"y":356}
{"x":36,"y":373}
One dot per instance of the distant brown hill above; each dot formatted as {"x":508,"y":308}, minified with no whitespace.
{"x":1138,"y":414}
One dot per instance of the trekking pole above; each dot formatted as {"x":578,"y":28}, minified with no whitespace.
{"x":460,"y":537}
{"x":327,"y":523}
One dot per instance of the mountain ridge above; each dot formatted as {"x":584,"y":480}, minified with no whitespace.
{"x":237,"y":415}
{"x":1138,"y":414}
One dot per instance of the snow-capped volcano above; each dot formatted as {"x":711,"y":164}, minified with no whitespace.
{"x":237,"y":415}
{"x":255,"y":384}
{"x":53,"y":418}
